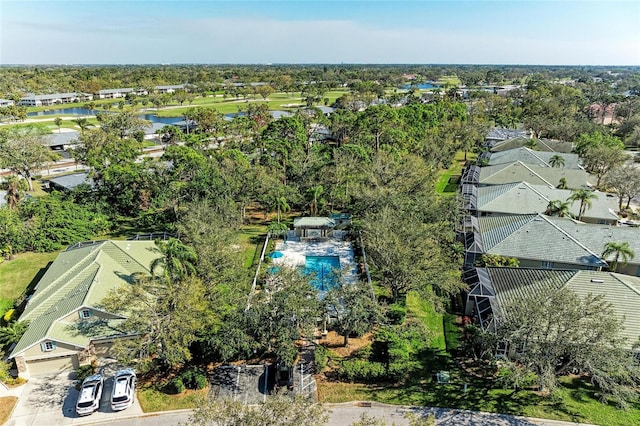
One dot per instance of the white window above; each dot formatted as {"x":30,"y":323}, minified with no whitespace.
{"x":86,"y":314}
{"x":547,"y":265}
{"x":48,"y":346}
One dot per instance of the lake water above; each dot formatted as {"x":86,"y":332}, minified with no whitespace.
{"x":85,"y":111}
{"x":428,"y":85}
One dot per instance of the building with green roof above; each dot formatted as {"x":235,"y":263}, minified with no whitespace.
{"x":67,"y":326}
{"x":313,"y":227}
{"x":525,"y":198}
{"x":493,"y":290}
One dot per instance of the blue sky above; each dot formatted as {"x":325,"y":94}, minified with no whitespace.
{"x":605,"y":32}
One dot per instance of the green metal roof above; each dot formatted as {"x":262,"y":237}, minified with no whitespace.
{"x":81,"y":276}
{"x":313,"y":222}
{"x":621,"y":291}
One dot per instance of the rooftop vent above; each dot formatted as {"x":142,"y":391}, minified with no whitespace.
{"x":596,"y":281}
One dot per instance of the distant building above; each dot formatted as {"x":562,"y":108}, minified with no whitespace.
{"x":170,"y":89}
{"x":70,"y":182}
{"x":55,"y":99}
{"x":120,"y":93}
{"x":313,"y":227}
{"x":6,"y":102}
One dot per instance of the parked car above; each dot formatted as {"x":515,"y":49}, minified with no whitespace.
{"x":124,"y":388}
{"x":90,"y":394}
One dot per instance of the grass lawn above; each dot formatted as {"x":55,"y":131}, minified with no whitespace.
{"x":17,"y":274}
{"x":423,"y":311}
{"x":152,"y":400}
{"x":252,"y":240}
{"x":575,"y":401}
{"x":6,"y":407}
{"x":445,"y":183}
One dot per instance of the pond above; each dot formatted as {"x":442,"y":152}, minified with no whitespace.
{"x":422,"y":86}
{"x":85,"y":111}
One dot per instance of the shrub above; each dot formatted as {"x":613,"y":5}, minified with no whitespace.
{"x":511,"y":375}
{"x":362,"y":370}
{"x":396,"y":313}
{"x":178,"y":385}
{"x":84,"y":371}
{"x":194,"y":379}
{"x":200,"y":381}
{"x":320,"y":357}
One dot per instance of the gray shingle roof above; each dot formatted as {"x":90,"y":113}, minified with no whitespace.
{"x":533,"y":174}
{"x":68,"y":182}
{"x":503,"y":134}
{"x":541,"y":144}
{"x":621,"y":291}
{"x":596,"y":236}
{"x":524,"y":198}
{"x":535,"y":237}
{"x":529,"y":156}
{"x":66,"y":138}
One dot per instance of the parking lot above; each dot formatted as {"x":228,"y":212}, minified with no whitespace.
{"x":51,"y":400}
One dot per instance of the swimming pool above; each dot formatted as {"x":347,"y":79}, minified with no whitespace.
{"x":326,"y":270}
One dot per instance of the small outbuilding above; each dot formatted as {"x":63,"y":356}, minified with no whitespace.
{"x":314,"y":227}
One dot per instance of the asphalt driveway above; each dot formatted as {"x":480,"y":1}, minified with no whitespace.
{"x":51,"y":400}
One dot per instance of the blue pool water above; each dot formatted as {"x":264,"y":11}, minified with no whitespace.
{"x":326,"y":270}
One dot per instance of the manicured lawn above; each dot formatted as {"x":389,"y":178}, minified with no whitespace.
{"x":575,"y":401}
{"x":152,"y":400}
{"x":6,"y":407}
{"x":443,"y":186}
{"x":451,"y":80}
{"x":252,"y":240}
{"x":16,"y":274}
{"x":423,"y":311}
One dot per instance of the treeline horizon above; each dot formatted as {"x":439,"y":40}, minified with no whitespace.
{"x":22,"y":79}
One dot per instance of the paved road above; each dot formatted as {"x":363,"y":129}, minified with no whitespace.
{"x":45,"y":400}
{"x":345,"y":414}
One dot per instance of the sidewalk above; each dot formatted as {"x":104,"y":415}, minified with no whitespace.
{"x":346,"y":413}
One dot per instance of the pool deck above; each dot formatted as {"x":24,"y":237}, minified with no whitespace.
{"x":294,"y":253}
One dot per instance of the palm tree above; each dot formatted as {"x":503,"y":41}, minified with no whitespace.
{"x":281,"y":205}
{"x":617,"y":250}
{"x":12,"y":332}
{"x":15,"y":188}
{"x":58,"y":122}
{"x":557,"y":161}
{"x":584,"y":196}
{"x":178,"y":260}
{"x":563,"y":183}
{"x":558,"y":208}
{"x":83,"y":123}
{"x":315,"y":192}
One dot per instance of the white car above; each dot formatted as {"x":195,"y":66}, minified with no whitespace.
{"x":124,"y":388}
{"x":90,"y":394}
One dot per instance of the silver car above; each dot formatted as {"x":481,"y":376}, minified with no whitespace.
{"x":124,"y":388}
{"x":90,"y":394}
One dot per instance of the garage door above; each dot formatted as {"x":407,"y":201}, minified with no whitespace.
{"x":52,"y":365}
{"x":103,"y":350}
